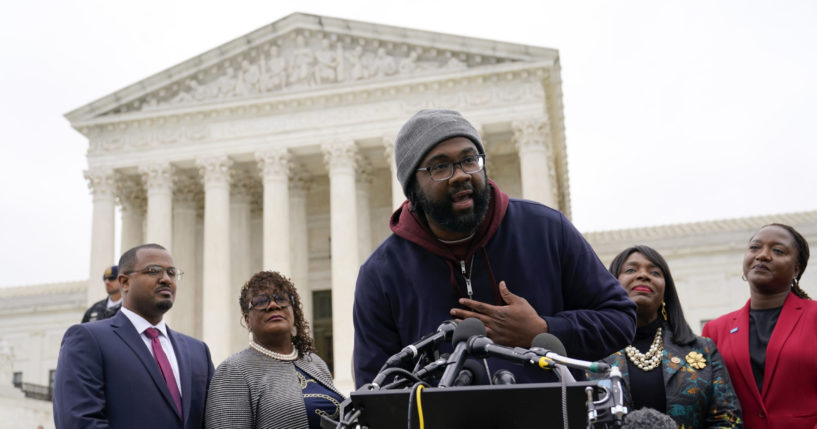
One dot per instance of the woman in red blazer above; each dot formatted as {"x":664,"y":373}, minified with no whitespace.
{"x":770,"y":345}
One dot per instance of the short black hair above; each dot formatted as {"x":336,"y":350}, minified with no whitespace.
{"x":127,"y":262}
{"x":681,"y":332}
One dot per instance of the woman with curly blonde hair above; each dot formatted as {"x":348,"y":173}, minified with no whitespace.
{"x":278,"y":381}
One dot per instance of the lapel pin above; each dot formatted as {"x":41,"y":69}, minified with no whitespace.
{"x":735,"y":329}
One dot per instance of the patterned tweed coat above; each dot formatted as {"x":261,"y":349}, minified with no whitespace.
{"x":251,"y":390}
{"x":697,"y":385}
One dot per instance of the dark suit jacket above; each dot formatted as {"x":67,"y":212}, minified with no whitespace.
{"x":789,"y":397}
{"x":106,"y":377}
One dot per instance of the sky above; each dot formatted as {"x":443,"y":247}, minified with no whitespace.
{"x":675,"y":111}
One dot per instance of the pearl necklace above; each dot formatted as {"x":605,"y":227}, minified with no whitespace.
{"x":278,"y":356}
{"x":650,"y":360}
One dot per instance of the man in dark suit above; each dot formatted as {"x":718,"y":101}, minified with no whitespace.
{"x":132,"y":371}
{"x":106,"y":308}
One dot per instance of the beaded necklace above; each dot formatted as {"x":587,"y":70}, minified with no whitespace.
{"x":650,"y":360}
{"x":278,"y":356}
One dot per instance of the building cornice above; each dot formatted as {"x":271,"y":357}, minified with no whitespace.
{"x":671,"y":231}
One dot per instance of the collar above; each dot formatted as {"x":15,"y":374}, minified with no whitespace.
{"x":141,"y":324}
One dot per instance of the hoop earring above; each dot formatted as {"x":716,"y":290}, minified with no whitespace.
{"x":664,"y":310}
{"x":794,"y":283}
{"x":743,"y":277}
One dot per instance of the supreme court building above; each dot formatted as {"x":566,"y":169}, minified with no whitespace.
{"x":275,"y":151}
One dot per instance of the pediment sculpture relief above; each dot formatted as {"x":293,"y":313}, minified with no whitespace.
{"x":301,"y":61}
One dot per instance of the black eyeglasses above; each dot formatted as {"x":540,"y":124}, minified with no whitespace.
{"x":262,"y":302}
{"x":445,"y":170}
{"x":174,"y":273}
{"x":110,"y":278}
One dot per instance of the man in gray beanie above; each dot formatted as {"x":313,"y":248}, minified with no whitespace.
{"x":460,"y":246}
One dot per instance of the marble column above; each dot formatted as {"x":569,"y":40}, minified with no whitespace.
{"x":102,"y":185}
{"x":340,"y":158}
{"x":257,"y":231}
{"x":216,"y":299}
{"x":299,"y":247}
{"x":158,"y":179}
{"x":132,"y":201}
{"x":364,"y":223}
{"x":240,"y":244}
{"x":274,"y":168}
{"x":533,"y":143}
{"x":397,"y":196}
{"x":186,"y":315}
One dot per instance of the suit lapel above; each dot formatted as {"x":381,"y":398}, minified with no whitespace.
{"x":125,"y":330}
{"x":183,"y":359}
{"x":789,"y":316}
{"x":738,"y":340}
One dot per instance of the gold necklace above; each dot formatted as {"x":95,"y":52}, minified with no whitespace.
{"x":650,"y":360}
{"x":279,"y":356}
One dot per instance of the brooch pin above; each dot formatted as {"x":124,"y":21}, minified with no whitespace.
{"x":696,"y":360}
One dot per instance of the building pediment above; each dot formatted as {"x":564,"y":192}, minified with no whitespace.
{"x":306,"y":53}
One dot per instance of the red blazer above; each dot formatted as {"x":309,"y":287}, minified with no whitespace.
{"x":789,"y":398}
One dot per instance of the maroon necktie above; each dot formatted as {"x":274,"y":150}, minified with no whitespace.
{"x":164,"y":366}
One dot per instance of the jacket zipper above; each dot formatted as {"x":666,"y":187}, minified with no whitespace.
{"x":467,"y":277}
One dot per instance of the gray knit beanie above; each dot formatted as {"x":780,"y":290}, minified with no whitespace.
{"x":421,"y":133}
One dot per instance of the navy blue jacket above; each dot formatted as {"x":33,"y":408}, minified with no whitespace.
{"x":404,"y":292}
{"x":107,"y":378}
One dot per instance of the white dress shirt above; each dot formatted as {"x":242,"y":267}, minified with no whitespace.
{"x":141,"y":325}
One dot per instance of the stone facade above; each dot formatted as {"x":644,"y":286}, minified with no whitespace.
{"x":33,"y":320}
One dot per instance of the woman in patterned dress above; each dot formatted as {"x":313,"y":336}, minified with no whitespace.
{"x":667,"y":367}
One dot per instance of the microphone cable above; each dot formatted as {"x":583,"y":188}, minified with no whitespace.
{"x":415,"y":393}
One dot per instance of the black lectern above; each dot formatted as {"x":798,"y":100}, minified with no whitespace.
{"x":535,"y":405}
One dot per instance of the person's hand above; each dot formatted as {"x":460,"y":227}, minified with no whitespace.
{"x":512,"y":325}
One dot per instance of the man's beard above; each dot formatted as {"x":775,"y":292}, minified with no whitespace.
{"x":443,"y":214}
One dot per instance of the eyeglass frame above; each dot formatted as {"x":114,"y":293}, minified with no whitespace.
{"x":110,"y":278}
{"x":146,"y":270}
{"x":287,"y":302}
{"x":480,"y":160}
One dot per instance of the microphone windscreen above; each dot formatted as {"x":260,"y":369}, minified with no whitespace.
{"x":471,"y":374}
{"x":549,"y":341}
{"x":467,"y":329}
{"x":648,"y":418}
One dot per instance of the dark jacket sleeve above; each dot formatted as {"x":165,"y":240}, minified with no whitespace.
{"x":376,"y":336}
{"x":79,"y":387}
{"x":598,"y":317}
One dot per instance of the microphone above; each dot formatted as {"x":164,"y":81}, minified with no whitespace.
{"x":482,"y":347}
{"x":469,"y":374}
{"x":465,"y":330}
{"x":503,"y":376}
{"x":433,"y":366}
{"x":547,"y":345}
{"x":444,"y":332}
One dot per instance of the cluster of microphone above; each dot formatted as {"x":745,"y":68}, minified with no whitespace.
{"x":469,"y":339}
